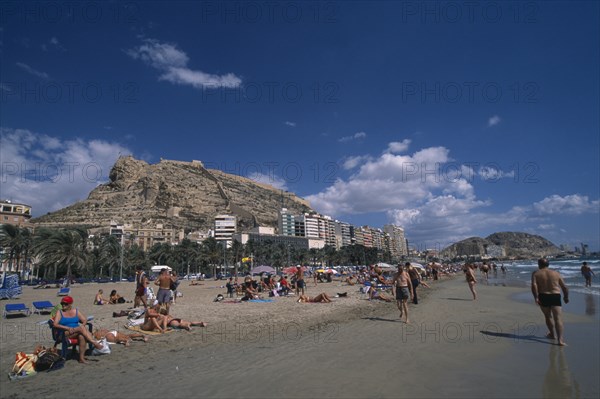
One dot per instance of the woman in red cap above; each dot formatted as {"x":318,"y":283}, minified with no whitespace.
{"x":69,"y":319}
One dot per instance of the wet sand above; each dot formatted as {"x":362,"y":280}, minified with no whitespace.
{"x":352,"y":348}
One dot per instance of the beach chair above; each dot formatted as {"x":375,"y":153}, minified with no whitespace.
{"x":10,"y":288}
{"x":42,"y":306}
{"x":15,"y":308}
{"x":64,"y":291}
{"x":60,"y":337}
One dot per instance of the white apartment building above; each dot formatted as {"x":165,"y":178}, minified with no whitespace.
{"x":225,"y":227}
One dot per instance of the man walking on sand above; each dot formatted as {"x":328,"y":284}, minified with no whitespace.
{"x":141,"y":282}
{"x":164,"y":282}
{"x":402,"y":286}
{"x":546,"y":286}
{"x":299,"y":280}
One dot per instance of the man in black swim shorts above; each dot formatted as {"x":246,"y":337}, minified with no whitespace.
{"x":546,"y":286}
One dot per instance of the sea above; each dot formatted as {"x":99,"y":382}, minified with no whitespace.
{"x":583,"y":300}
{"x":570,"y":269}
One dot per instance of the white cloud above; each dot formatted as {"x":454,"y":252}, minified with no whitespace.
{"x":291,"y":124}
{"x":568,"y":205}
{"x":172,"y":62}
{"x":353,"y":162}
{"x":490,"y":173}
{"x":494,"y":120}
{"x":53,"y":44}
{"x":271,"y":180}
{"x":435,"y":203}
{"x":396,"y":147}
{"x":355,"y":136}
{"x":49,"y":173}
{"x":32,"y":71}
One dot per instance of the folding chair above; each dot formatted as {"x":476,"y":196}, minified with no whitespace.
{"x":11,"y":309}
{"x":60,"y":337}
{"x":42,"y":306}
{"x":64,"y":291}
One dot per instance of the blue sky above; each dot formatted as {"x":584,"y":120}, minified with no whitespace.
{"x":449,"y":119}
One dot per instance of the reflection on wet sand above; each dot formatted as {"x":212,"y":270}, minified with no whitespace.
{"x":559,"y":382}
{"x":590,"y":305}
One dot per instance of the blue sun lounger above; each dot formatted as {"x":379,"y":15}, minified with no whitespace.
{"x":15,"y":308}
{"x":64,"y":291}
{"x":42,"y":306}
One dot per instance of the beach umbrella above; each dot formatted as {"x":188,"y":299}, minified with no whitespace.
{"x":292,"y":269}
{"x":262,"y":269}
{"x":330,"y":271}
{"x":417,"y":265}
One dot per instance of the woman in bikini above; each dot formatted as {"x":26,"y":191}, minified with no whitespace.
{"x":321,"y":298}
{"x":118,"y":338}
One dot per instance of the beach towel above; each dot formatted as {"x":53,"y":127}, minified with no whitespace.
{"x":138,"y":329}
{"x":260,"y":300}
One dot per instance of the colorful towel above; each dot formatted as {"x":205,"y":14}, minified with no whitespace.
{"x":260,"y":300}
{"x":138,"y":329}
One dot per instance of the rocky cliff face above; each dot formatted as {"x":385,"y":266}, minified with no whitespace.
{"x":177,"y":194}
{"x":515,"y":245}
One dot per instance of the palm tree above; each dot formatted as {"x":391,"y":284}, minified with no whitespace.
{"x":16,"y":242}
{"x":110,"y":254}
{"x":67,"y":247}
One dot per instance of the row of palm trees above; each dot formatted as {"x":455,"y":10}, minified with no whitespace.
{"x":48,"y":253}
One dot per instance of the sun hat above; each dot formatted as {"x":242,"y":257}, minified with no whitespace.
{"x":67,"y":299}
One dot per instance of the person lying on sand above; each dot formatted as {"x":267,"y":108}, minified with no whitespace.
{"x":180,"y":323}
{"x":374,"y":294}
{"x":321,"y":298}
{"x":118,"y":338}
{"x":154,"y":321}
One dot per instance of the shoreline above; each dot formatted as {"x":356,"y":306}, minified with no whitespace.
{"x":355,"y":348}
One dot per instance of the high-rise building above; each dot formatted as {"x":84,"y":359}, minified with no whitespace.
{"x":225,"y":227}
{"x":397,"y":241}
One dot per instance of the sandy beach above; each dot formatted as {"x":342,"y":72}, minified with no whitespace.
{"x":351,"y":348}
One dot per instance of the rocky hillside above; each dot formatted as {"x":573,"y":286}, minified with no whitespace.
{"x":178,"y":195}
{"x":505,"y":244}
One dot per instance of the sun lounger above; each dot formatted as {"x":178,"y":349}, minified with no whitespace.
{"x":15,"y":308}
{"x":42,"y":306}
{"x":64,"y":291}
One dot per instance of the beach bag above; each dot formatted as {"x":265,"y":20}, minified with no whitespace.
{"x":49,"y":360}
{"x":105,"y":350}
{"x":24,"y":364}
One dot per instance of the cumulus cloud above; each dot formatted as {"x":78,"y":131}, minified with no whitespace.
{"x":396,"y":147}
{"x":568,"y":205}
{"x":494,"y":120}
{"x":50,"y":173}
{"x":491,"y":173}
{"x":32,"y":71}
{"x":355,"y":136}
{"x":172,"y":62}
{"x":433,"y":197}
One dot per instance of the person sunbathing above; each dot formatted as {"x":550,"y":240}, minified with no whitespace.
{"x":350,"y":280}
{"x":180,"y":323}
{"x":321,"y":298}
{"x":374,"y":294}
{"x":118,"y":338}
{"x":99,"y":300}
{"x":154,"y":321}
{"x":115,"y":298}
